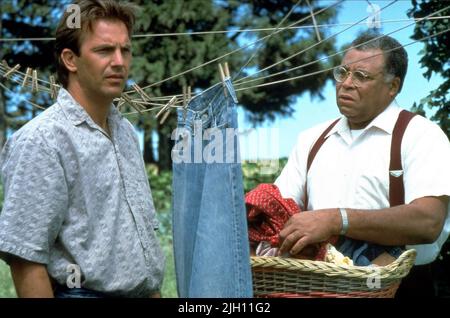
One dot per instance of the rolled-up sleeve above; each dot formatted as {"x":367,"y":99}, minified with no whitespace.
{"x":35,"y":197}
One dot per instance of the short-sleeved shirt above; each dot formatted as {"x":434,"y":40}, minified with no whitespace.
{"x":354,"y":172}
{"x":74,"y":195}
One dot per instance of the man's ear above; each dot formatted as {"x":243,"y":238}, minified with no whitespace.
{"x":68,"y":57}
{"x":395,"y":86}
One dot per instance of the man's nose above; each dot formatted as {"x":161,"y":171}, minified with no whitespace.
{"x":348,"y":82}
{"x":117,"y":58}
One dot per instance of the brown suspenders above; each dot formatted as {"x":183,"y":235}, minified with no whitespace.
{"x":396,"y":188}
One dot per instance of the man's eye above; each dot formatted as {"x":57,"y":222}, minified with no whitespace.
{"x":360,"y":76}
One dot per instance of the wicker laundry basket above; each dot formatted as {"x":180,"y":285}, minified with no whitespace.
{"x":292,"y":278}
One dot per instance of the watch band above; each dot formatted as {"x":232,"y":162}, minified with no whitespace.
{"x":344,"y":218}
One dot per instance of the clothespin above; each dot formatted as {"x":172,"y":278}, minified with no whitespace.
{"x":141,"y":93}
{"x":184,"y":96}
{"x":222,"y":78}
{"x":34,"y":83}
{"x":316,"y":28}
{"x":120,"y":103}
{"x":127,"y":99}
{"x":25,"y":78}
{"x":53,"y":90}
{"x":10,"y":70}
{"x":227,"y":70}
{"x":163,"y":119}
{"x":170,"y":103}
{"x":186,"y":99}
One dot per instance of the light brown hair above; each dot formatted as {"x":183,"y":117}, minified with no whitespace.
{"x":90,"y":11}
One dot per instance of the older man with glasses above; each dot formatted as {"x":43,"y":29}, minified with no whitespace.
{"x":378,"y":176}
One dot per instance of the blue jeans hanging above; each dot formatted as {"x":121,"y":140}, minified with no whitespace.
{"x":210,"y":236}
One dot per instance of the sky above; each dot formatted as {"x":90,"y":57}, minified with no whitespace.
{"x":276,"y":139}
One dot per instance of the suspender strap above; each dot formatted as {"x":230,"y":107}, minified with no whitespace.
{"x":319,"y":142}
{"x":396,"y":187}
{"x":312,"y":154}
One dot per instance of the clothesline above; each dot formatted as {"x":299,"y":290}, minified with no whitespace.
{"x":19,"y":76}
{"x":309,"y":48}
{"x":238,"y":82}
{"x":321,"y":71}
{"x":256,"y":30}
{"x":239,"y":49}
{"x":261,"y":85}
{"x":22,"y":75}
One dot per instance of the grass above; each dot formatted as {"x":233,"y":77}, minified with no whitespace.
{"x":6,"y":285}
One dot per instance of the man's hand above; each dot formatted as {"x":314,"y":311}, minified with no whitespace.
{"x":307,"y":228}
{"x":30,"y":279}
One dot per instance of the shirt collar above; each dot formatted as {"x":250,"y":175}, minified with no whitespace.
{"x":385,"y":121}
{"x":77,"y":114}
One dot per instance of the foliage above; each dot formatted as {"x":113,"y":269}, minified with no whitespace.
{"x":25,"y":19}
{"x":253,"y":176}
{"x":159,"y":57}
{"x":7,"y":289}
{"x":436,"y":58}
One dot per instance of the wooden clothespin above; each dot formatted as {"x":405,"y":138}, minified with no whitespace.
{"x":222,"y":78}
{"x":184,"y":96}
{"x":120,"y":103}
{"x":222,"y":74}
{"x":34,"y":83}
{"x":25,"y":78}
{"x":10,"y":70}
{"x":53,"y":90}
{"x":130,"y":102}
{"x":186,"y":99}
{"x":170,"y":103}
{"x":227,"y":70}
{"x":166,"y":115}
{"x":316,"y":28}
{"x":141,"y":93}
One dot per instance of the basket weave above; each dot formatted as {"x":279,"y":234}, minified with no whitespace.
{"x":290,"y":277}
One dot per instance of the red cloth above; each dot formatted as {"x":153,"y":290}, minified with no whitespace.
{"x":267,"y":212}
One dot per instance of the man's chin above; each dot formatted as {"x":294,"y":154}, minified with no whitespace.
{"x":346,"y":110}
{"x":113,"y":92}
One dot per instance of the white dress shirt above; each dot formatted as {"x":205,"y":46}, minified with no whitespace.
{"x":354,"y":172}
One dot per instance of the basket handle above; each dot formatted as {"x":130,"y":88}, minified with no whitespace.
{"x":405,"y":260}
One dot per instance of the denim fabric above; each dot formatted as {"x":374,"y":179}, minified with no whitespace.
{"x":363,"y":253}
{"x":65,"y":292}
{"x":210,"y":235}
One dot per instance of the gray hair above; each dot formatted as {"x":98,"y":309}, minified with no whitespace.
{"x":395,"y":56}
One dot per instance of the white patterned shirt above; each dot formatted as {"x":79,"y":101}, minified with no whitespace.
{"x":74,"y":195}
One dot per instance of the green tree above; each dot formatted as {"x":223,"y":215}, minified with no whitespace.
{"x":157,"y":58}
{"x":24,"y":19}
{"x":436,"y":57}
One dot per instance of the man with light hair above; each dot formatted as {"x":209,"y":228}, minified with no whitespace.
{"x":77,"y":197}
